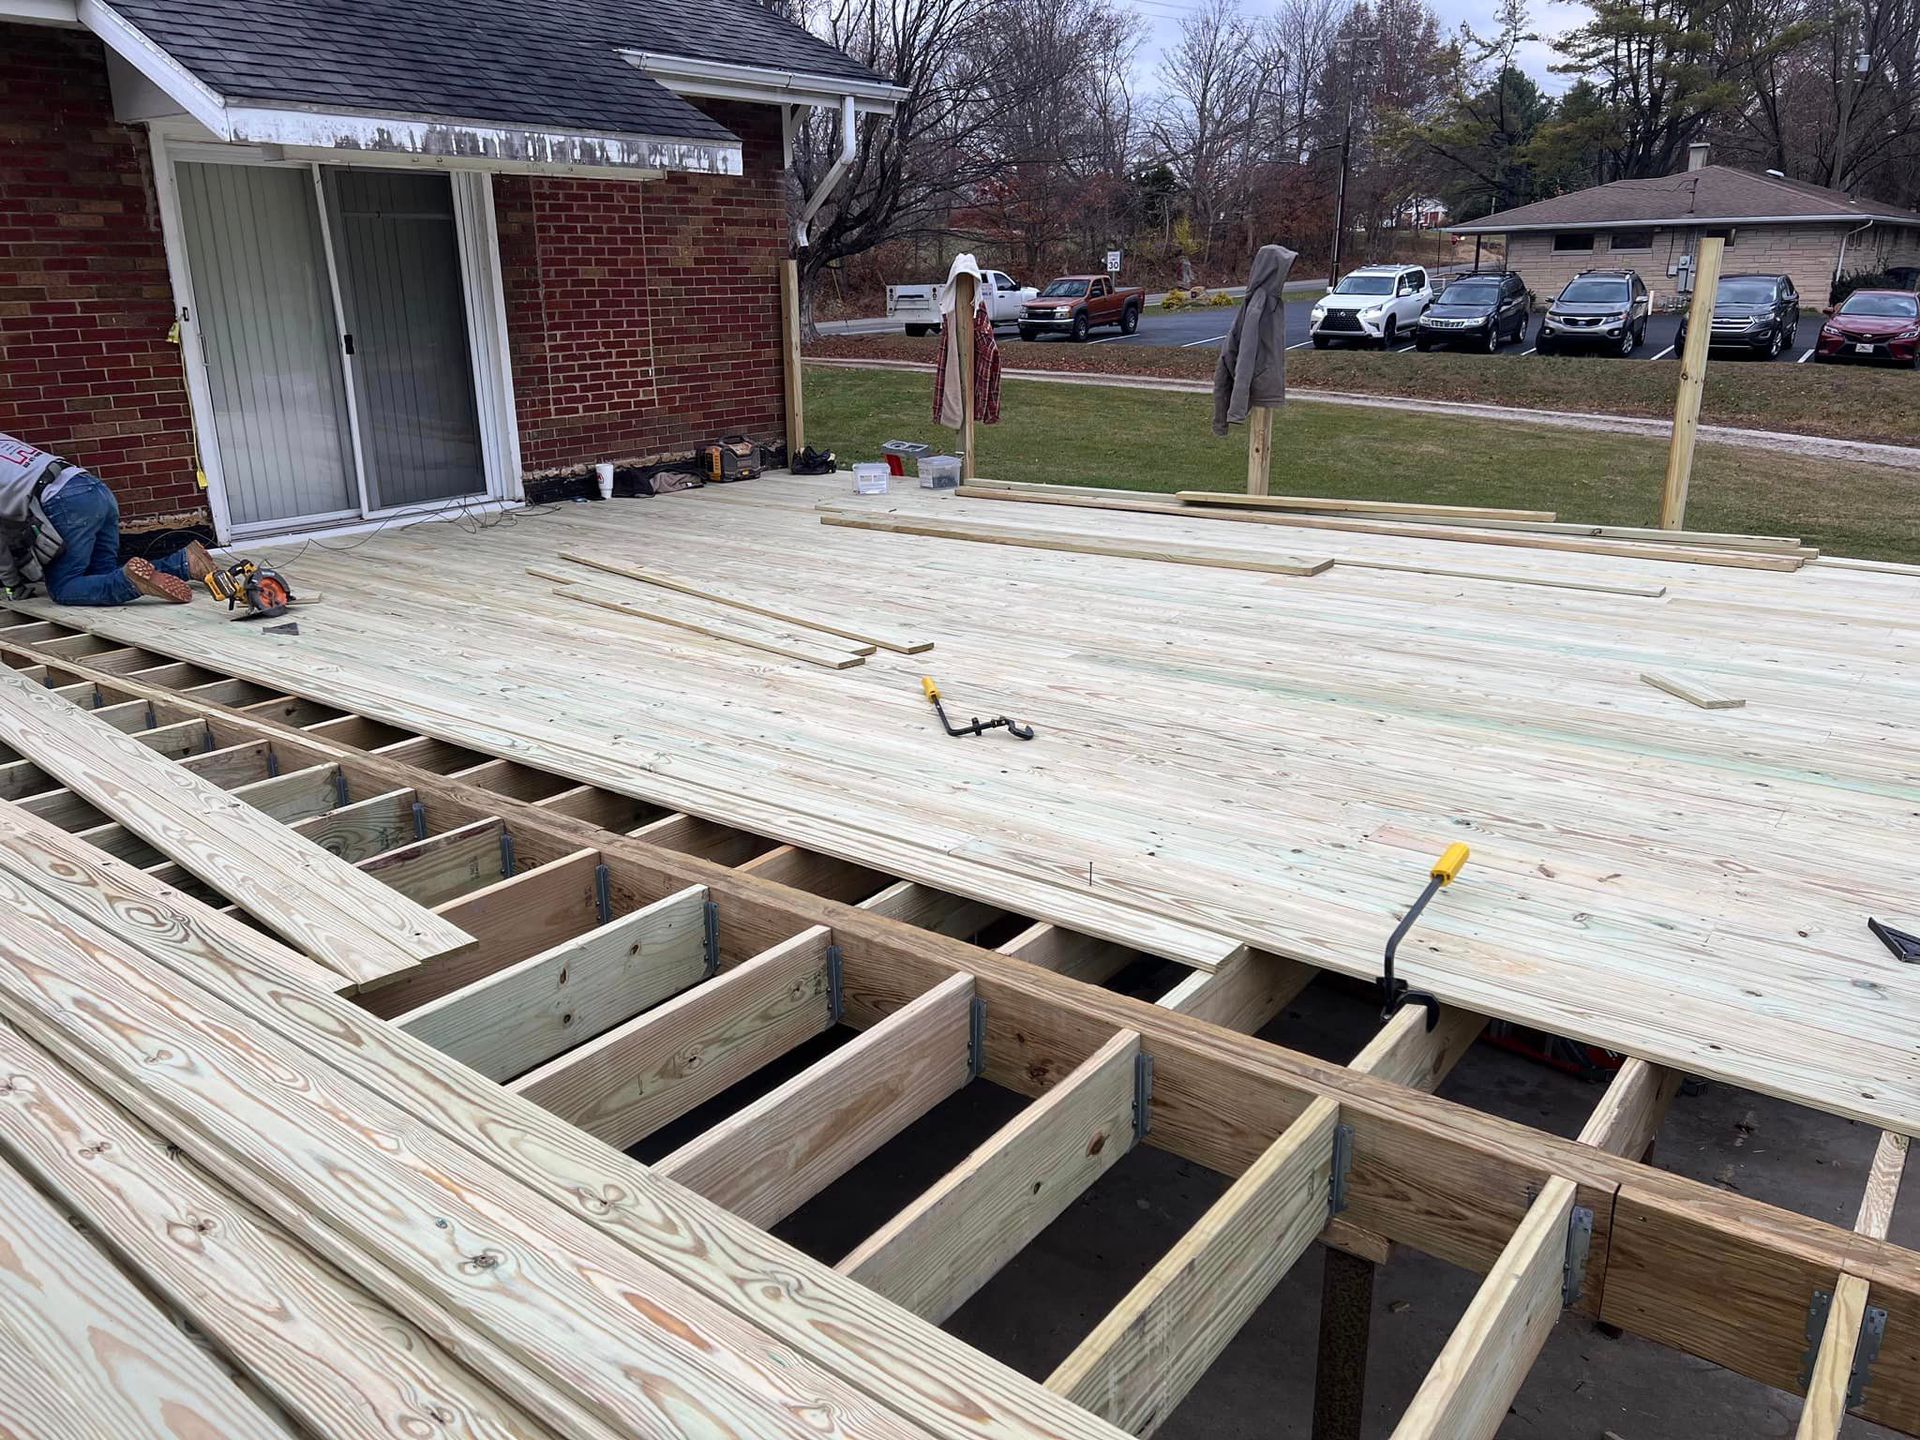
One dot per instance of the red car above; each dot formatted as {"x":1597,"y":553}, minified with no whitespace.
{"x":1873,"y":325}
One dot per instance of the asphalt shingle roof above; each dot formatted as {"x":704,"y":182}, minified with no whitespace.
{"x":1714,"y":192}
{"x":510,"y":62}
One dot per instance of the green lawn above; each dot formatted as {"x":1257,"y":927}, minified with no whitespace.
{"x":1156,"y":440}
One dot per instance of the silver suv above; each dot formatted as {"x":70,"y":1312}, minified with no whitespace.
{"x":1599,"y":309}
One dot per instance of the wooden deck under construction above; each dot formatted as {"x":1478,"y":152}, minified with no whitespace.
{"x":1227,"y":759}
{"x":338,"y":968}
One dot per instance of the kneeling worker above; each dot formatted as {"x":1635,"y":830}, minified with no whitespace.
{"x":61,"y":524}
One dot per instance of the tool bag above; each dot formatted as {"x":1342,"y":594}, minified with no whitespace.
{"x":735,"y":457}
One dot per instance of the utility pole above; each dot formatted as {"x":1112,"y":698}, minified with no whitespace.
{"x":1346,"y":153}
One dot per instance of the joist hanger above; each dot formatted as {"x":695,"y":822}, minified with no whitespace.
{"x":1866,"y":1349}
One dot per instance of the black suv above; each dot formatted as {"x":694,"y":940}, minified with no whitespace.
{"x":1599,"y":309}
{"x":1756,"y":313}
{"x":1484,"y":310}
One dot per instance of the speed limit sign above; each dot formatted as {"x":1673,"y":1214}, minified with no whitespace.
{"x":1113,"y":262}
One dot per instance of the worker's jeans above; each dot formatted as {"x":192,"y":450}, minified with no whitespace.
{"x":87,"y":571}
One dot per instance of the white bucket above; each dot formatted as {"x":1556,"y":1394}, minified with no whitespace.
{"x":603,"y":473}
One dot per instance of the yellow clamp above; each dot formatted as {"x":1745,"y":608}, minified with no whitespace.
{"x":1448,"y":867}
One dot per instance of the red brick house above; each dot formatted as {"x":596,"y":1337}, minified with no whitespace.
{"x":347,"y":259}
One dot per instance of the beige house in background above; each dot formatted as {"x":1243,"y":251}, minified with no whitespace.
{"x":1779,"y":227}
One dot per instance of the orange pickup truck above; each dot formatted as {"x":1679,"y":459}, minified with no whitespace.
{"x":1074,"y":304}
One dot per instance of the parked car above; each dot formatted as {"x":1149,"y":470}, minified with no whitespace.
{"x":1077,"y":303}
{"x":1373,"y":304}
{"x":1872,"y":325}
{"x":918,"y":306}
{"x":1756,"y":313}
{"x":1483,"y":310}
{"x":1597,"y":309}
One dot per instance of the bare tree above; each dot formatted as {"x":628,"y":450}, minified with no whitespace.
{"x":1211,"y":80}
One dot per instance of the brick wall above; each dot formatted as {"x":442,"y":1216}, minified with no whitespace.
{"x":644,"y":317}
{"x":84,"y":302}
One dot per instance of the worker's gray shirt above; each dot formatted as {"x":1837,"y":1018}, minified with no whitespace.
{"x":28,"y":540}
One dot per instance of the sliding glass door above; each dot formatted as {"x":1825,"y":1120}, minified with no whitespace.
{"x":332,"y":313}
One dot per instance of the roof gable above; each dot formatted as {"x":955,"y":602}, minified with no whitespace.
{"x":1711,"y":193}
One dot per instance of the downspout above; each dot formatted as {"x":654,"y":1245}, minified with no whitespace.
{"x":836,"y":172}
{"x":1840,"y":265}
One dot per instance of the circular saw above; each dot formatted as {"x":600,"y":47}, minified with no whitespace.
{"x":258,"y":591}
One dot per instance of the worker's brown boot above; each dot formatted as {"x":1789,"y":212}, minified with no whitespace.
{"x":199,"y":562}
{"x":149,"y":581}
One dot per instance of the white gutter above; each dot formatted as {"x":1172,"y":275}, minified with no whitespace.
{"x":1840,"y":265}
{"x":1681,"y":220}
{"x":721,"y":80}
{"x":836,"y":172}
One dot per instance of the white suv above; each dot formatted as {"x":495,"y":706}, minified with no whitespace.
{"x":1375,"y":303}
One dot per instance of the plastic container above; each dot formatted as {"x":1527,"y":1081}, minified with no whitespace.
{"x":939,"y":472}
{"x":870,"y":478}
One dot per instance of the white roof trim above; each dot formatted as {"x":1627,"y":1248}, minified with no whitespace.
{"x":478,"y":144}
{"x":40,"y":12}
{"x":1690,"y":221}
{"x":719,"y":80}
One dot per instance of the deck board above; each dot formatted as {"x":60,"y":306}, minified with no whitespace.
{"x":1230,"y":758}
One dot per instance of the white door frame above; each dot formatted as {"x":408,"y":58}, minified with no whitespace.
{"x":478,"y":240}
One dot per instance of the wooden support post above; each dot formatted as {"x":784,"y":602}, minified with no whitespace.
{"x":1259,"y":448}
{"x":794,"y":375}
{"x":965,"y":289}
{"x":1693,"y":379}
{"x":1346,"y":1332}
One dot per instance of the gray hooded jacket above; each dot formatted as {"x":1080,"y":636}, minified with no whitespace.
{"x":1252,"y":368}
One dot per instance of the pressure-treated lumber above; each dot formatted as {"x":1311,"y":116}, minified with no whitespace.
{"x":407,"y":1213}
{"x":770,"y":1158}
{"x":1883,"y":1185}
{"x":1215,"y":556}
{"x":507,"y":1023}
{"x":864,"y":633}
{"x":793,"y":377}
{"x":1411,"y":530}
{"x":83,"y":1353}
{"x":635,"y":1078}
{"x":1068,"y":952}
{"x":1256,"y":500}
{"x":935,"y":1254}
{"x":1243,"y":994}
{"x":331,"y":1358}
{"x":929,"y":909}
{"x":1259,"y":450}
{"x":1694,"y":692}
{"x":326,"y":908}
{"x":1155,"y":1345}
{"x":793,"y":647}
{"x":1629,"y":1114}
{"x":1709,"y":249}
{"x":1485,"y":1362}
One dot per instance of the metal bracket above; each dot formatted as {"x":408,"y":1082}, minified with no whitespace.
{"x":1579,"y":1242}
{"x":152,"y":720}
{"x":836,"y":996}
{"x":96,"y":700}
{"x":1866,"y":1345}
{"x":1342,"y":1167}
{"x":339,"y":788}
{"x":206,"y":741}
{"x":603,"y":893}
{"x":506,"y":854}
{"x":1142,"y":1096}
{"x":710,"y":937}
{"x":419,"y":820}
{"x":976,"y":1038}
{"x":273,"y":763}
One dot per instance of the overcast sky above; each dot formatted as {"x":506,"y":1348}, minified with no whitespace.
{"x":1550,"y":17}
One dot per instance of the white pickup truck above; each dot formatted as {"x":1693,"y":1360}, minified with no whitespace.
{"x":918,"y":306}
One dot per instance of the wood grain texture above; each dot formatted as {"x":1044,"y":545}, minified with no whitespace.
{"x":83,"y":1354}
{"x":1218,"y":557}
{"x":1485,"y":1361}
{"x":653,"y":1069}
{"x":1630,"y":1112}
{"x":933,"y":1255}
{"x":769,"y":1158}
{"x":588,"y":1340}
{"x":318,"y":904}
{"x":1243,"y":994}
{"x":1883,"y":1185}
{"x":334,"y":1360}
{"x":947,"y":1387}
{"x":1825,"y":1406}
{"x":1694,"y":691}
{"x":1259,"y":500}
{"x":518,"y":1018}
{"x":787,"y":644}
{"x":1154,"y":1346}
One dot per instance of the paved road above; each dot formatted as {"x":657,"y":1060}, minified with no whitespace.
{"x":1201,"y":329}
